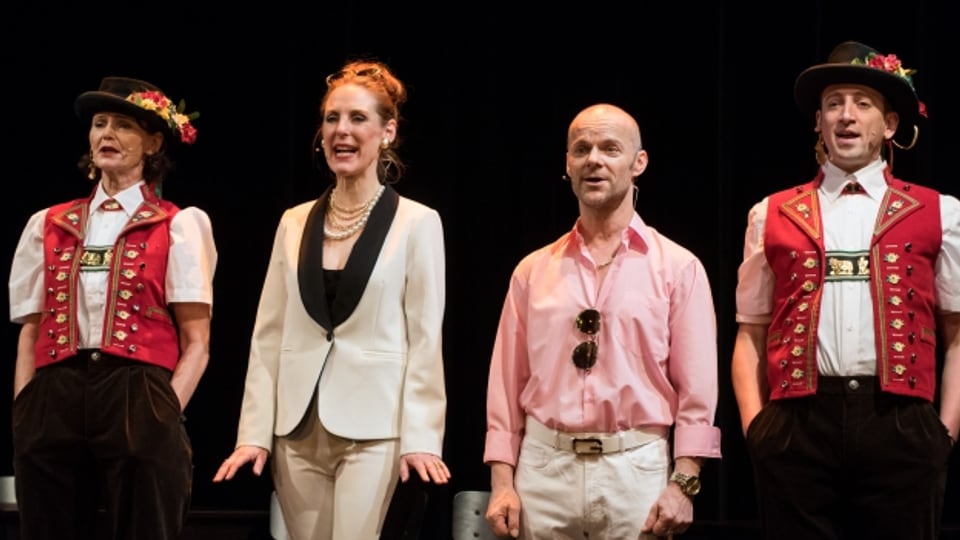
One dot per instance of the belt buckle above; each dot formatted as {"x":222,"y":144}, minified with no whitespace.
{"x":587,"y":446}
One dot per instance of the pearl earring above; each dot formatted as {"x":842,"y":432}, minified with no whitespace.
{"x":385,"y":144}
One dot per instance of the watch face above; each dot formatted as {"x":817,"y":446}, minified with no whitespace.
{"x":689,"y":485}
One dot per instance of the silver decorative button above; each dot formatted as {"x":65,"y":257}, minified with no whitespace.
{"x":853,"y":384}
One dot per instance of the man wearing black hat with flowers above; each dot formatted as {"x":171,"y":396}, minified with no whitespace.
{"x":844,"y":289}
{"x":114,"y":293}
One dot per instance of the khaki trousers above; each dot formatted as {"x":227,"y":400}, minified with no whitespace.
{"x":604,"y":496}
{"x":330,"y":488}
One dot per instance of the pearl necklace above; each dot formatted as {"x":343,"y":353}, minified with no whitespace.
{"x":339,"y":227}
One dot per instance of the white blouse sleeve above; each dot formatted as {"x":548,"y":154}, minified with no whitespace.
{"x":193,"y":258}
{"x":755,"y":278}
{"x":948,"y":262}
{"x":26,"y":273}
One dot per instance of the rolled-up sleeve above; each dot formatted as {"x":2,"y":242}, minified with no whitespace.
{"x":693,"y":363}
{"x":509,"y":372}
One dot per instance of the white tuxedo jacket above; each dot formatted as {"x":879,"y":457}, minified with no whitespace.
{"x":374,"y":359}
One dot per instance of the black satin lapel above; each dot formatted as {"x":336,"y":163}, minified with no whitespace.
{"x":360,"y":264}
{"x":310,"y":265}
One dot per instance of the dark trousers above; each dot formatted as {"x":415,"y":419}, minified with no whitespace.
{"x":100,"y":440}
{"x":850,"y":462}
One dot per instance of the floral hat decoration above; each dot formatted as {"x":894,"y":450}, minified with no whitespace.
{"x":140,"y":100}
{"x":855,"y":63}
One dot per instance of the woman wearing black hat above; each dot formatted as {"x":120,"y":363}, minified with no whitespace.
{"x":114,"y":294}
{"x":847,"y":283}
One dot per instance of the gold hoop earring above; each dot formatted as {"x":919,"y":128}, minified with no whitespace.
{"x":819,"y":150}
{"x":916,"y":133}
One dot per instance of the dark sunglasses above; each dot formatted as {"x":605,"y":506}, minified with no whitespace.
{"x":585,"y":354}
{"x":373,"y":72}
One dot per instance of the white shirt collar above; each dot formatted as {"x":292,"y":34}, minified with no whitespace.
{"x":129,"y":199}
{"x":870,"y":177}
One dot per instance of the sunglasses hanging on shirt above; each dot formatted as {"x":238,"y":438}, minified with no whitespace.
{"x":585,"y":354}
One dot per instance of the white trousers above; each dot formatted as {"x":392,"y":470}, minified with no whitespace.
{"x":565,"y":496}
{"x":331,"y":488}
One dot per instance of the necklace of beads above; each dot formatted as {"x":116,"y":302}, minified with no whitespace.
{"x":341,"y":211}
{"x":342,"y":223}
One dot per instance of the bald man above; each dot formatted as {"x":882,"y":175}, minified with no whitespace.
{"x":603,"y":379}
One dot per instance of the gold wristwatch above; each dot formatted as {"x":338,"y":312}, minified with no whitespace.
{"x":689,"y":484}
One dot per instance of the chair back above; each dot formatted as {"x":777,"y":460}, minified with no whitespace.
{"x":278,"y":529}
{"x":469,"y":511}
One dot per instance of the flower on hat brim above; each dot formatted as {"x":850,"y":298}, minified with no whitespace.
{"x":891,"y":64}
{"x":178,"y":121}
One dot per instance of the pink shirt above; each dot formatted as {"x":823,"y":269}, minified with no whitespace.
{"x":657,"y":348}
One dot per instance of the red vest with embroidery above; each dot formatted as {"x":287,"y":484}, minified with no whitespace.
{"x":137,"y":324}
{"x":903,"y":251}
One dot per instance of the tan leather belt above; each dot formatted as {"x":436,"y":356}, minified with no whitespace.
{"x":593,"y":443}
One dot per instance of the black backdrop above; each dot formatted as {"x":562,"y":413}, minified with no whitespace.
{"x":492,"y":89}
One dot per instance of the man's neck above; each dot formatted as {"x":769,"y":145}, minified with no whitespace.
{"x":604,"y":227}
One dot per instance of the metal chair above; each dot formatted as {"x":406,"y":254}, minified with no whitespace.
{"x":469,"y":523}
{"x":278,"y":529}
{"x":8,"y":509}
{"x":8,"y":494}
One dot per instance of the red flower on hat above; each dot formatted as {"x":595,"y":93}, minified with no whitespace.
{"x":188,"y":133}
{"x":891,"y":64}
{"x":174,"y":116}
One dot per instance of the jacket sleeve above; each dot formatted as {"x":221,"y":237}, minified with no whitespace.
{"x":424,"y":392}
{"x":259,"y":409}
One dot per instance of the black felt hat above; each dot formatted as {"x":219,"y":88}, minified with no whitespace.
{"x":140,"y":100}
{"x":855,"y":63}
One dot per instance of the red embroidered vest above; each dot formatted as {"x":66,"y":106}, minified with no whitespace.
{"x":137,"y":324}
{"x":903,"y":251}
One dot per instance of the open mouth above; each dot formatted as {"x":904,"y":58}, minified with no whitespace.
{"x":341,"y":150}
